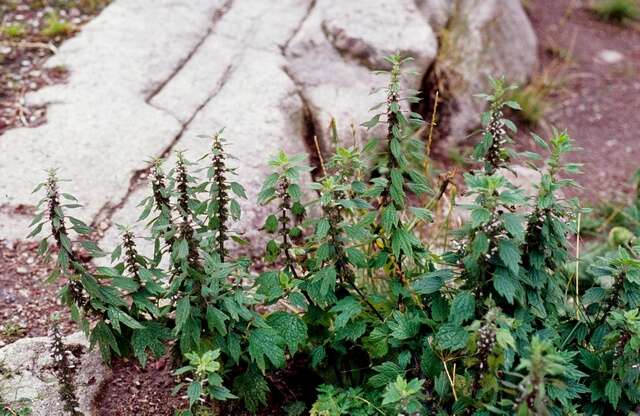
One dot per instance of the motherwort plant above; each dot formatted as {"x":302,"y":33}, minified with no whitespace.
{"x":355,"y":286}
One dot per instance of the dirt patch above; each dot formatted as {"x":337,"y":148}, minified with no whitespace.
{"x":26,"y":301}
{"x":133,"y":390}
{"x":30,"y":32}
{"x":598,"y":96}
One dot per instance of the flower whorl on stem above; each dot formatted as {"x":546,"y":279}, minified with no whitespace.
{"x":185,"y":228}
{"x":64,"y":369}
{"x":131,"y":255}
{"x":164,"y":222}
{"x":59,"y":232}
{"x":285,"y":208}
{"x":222,"y":194}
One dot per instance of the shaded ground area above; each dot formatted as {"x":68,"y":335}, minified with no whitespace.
{"x":596,"y":68}
{"x":133,"y":390}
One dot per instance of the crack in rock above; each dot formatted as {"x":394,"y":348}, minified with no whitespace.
{"x":217,"y":16}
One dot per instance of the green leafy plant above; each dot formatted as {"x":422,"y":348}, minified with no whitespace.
{"x":55,"y":27}
{"x":386,"y":318}
{"x":619,"y":11}
{"x":14,"y":410}
{"x":206,"y":381}
{"x":14,"y":30}
{"x":11,"y":331}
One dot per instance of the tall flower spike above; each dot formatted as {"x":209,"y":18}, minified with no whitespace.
{"x":496,"y":157}
{"x":393,"y":122}
{"x":64,"y":369}
{"x":186,"y":228}
{"x":182,"y":186}
{"x":492,"y":148}
{"x":163,"y":224}
{"x":59,"y":232}
{"x":159,"y":187}
{"x":222,"y":194}
{"x":393,"y":106}
{"x":130,"y":255}
{"x":285,"y":208}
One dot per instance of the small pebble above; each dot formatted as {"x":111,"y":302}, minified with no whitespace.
{"x":609,"y":56}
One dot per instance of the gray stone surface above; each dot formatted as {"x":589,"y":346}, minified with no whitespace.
{"x":368,"y":31}
{"x":148,"y":76}
{"x":26,"y":374}
{"x":265,"y":25}
{"x":437,"y":12}
{"x":270,"y":120}
{"x":100,"y":128}
{"x":481,"y":39}
{"x":333,"y":53}
{"x":331,"y":86}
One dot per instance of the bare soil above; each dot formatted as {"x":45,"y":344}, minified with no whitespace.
{"x":596,"y":66}
{"x":27,"y":303}
{"x":133,"y":390}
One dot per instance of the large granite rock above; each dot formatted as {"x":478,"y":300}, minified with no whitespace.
{"x":480,"y":39}
{"x":333,"y":54}
{"x":100,"y":128}
{"x":458,"y":43}
{"x":26,"y":374}
{"x":148,"y":76}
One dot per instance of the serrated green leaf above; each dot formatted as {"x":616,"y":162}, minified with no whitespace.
{"x":509,"y":254}
{"x":452,"y":336}
{"x":479,"y":216}
{"x":238,"y":190}
{"x":613,"y":391}
{"x":389,"y":219}
{"x":480,"y":245}
{"x":102,"y":335}
{"x":327,"y":279}
{"x":422,"y":214}
{"x":271,"y":224}
{"x":372,"y":122}
{"x":432,"y":282}
{"x":513,"y":223}
{"x":252,"y":388}
{"x":356,"y":257}
{"x":504,"y":284}
{"x":183,"y":311}
{"x":269,"y":286}
{"x":346,"y":309}
{"x":462,"y":307}
{"x":290,"y":327}
{"x":152,"y":337}
{"x":322,"y":228}
{"x":216,"y":320}
{"x":234,"y":209}
{"x":265,"y":342}
{"x":193,"y":392}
